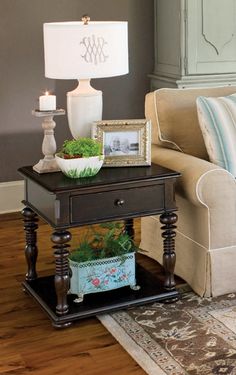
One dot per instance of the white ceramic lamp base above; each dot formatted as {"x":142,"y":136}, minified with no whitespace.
{"x":84,"y":105}
{"x":48,"y":163}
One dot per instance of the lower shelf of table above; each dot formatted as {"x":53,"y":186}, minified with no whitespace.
{"x":43,"y":291}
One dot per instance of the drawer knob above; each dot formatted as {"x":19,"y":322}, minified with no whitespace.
{"x":119,"y":202}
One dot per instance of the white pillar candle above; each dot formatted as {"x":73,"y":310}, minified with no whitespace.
{"x":47,"y":102}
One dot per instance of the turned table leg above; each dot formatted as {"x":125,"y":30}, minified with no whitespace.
{"x":168,"y":220}
{"x":31,"y":250}
{"x":129,"y":227}
{"x":62,"y":278}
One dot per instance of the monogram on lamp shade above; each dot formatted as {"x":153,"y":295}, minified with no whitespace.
{"x":85,"y":50}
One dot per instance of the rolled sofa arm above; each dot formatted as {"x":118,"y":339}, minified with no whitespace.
{"x":201,"y":182}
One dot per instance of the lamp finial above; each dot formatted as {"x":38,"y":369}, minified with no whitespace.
{"x":85,"y":19}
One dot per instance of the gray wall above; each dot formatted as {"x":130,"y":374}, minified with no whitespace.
{"x":22,"y":71}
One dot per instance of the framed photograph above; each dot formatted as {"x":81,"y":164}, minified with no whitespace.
{"x":124,"y":142}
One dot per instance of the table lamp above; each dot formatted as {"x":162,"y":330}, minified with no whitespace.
{"x":85,"y":50}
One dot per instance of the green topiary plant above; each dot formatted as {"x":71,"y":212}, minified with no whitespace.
{"x":80,"y":148}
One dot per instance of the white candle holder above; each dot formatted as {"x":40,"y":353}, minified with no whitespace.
{"x":49,"y":147}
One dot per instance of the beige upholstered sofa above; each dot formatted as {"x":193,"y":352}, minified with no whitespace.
{"x":205,"y":194}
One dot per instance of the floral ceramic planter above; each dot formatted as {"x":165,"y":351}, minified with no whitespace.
{"x":102,"y":274}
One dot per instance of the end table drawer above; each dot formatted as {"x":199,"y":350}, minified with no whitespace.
{"x":114,"y":204}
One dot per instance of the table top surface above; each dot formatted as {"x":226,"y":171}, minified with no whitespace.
{"x":58,"y":182}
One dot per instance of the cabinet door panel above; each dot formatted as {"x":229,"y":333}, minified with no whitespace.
{"x":167,"y":37}
{"x":211,"y":37}
{"x":215,"y":30}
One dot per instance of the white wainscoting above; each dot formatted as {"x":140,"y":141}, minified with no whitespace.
{"x":11,"y":195}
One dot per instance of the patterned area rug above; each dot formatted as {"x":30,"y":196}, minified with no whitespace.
{"x":192,"y":336}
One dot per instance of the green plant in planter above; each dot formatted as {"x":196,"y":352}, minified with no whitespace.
{"x":103,"y":263}
{"x":80,"y":157}
{"x":80,"y":148}
{"x":104,"y":244}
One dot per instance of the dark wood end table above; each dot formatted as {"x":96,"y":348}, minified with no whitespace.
{"x":113,"y":194}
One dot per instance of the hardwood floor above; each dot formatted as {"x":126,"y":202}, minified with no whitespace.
{"x":29,"y":343}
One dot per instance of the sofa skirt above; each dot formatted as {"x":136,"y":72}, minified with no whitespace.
{"x":209,"y":272}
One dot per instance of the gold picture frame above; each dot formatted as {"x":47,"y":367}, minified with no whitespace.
{"x":125,"y":143}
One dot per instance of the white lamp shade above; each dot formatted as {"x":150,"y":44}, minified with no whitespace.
{"x":73,"y":50}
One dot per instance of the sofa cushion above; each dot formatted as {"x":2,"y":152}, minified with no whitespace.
{"x":217,"y":119}
{"x":173,"y":113}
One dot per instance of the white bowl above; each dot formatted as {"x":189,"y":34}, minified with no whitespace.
{"x":80,"y":167}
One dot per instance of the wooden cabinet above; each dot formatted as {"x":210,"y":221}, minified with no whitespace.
{"x":195,"y":43}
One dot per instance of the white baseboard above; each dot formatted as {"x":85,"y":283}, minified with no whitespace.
{"x":11,"y":195}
